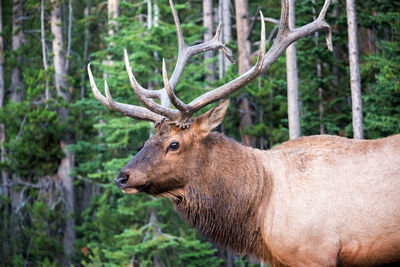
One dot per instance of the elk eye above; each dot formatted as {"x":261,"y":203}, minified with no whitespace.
{"x":173,"y":146}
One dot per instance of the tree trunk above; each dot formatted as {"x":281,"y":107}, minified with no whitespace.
{"x":3,"y":174}
{"x":208,"y":35}
{"x":336,"y":53}
{"x":227,"y":29}
{"x":113,"y":14}
{"x":44,"y":56}
{"x":58,"y":45}
{"x":17,"y":94}
{"x":70,"y":12}
{"x":242,"y":29}
{"x":67,"y":162}
{"x":18,"y":39}
{"x":2,"y":85}
{"x":86,"y":13}
{"x":292,"y":81}
{"x":224,"y":16}
{"x":319,"y":76}
{"x":355,"y":83}
{"x":64,"y":170}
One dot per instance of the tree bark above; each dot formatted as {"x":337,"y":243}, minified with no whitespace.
{"x":18,"y":39}
{"x":319,"y":76}
{"x":64,"y":170}
{"x":67,"y":162}
{"x":208,"y":35}
{"x":242,"y":29}
{"x":113,"y":14}
{"x":4,"y":178}
{"x":292,"y":81}
{"x":355,"y":84}
{"x":224,"y":16}
{"x":43,"y":40}
{"x":70,"y":12}
{"x":58,"y":46}
{"x":86,"y":13}
{"x":336,"y":53}
{"x":2,"y":85}
{"x":227,"y":29}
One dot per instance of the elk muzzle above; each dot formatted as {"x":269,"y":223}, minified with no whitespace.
{"x":121,"y":180}
{"x":131,"y":182}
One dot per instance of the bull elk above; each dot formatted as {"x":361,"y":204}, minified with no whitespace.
{"x":314,"y":201}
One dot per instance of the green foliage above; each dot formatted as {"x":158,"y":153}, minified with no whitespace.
{"x":382,"y":100}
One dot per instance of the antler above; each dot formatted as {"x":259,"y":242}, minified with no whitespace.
{"x":157,"y":113}
{"x":285,"y":37}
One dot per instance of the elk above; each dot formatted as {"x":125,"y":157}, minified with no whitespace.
{"x":313,"y":201}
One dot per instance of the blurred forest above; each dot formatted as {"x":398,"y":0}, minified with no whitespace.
{"x":61,"y":149}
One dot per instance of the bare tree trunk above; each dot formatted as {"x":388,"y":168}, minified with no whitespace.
{"x":319,"y":75}
{"x":58,"y":46}
{"x":208,"y":35}
{"x":18,"y":38}
{"x":218,"y":18}
{"x":355,"y":83}
{"x":242,"y":29}
{"x":86,"y":13}
{"x":67,"y":162}
{"x":227,"y":29}
{"x":64,"y":170}
{"x":4,"y":178}
{"x":336,"y":54}
{"x":2,"y":85}
{"x":156,"y":15}
{"x":43,"y":40}
{"x":224,"y":16}
{"x":17,"y":94}
{"x":149,"y":14}
{"x":292,"y":81}
{"x":113,"y":14}
{"x":70,"y":13}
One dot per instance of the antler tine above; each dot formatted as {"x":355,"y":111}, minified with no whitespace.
{"x":316,"y":25}
{"x":181,"y":41}
{"x":125,"y":109}
{"x":284,"y":20}
{"x":285,"y":37}
{"x":185,"y":52}
{"x":147,"y":102}
{"x":95,"y":90}
{"x":171,"y":95}
{"x":261,"y":53}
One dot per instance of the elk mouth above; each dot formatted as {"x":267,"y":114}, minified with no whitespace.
{"x":134,"y":189}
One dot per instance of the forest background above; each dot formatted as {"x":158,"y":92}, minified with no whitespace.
{"x":61,"y":149}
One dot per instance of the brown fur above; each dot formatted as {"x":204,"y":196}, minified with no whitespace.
{"x":313,"y":201}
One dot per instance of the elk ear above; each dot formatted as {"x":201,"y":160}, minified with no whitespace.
{"x":205,"y":123}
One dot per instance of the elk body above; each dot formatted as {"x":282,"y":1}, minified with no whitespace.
{"x":313,"y":201}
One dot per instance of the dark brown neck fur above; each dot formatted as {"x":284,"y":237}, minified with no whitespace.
{"x":228,"y":198}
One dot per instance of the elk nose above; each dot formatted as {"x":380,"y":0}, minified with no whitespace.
{"x":121,"y":180}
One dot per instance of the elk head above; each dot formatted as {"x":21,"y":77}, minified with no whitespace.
{"x":168,"y":152}
{"x":175,"y":153}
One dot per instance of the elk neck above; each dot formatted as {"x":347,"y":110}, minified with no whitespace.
{"x":227,"y":198}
